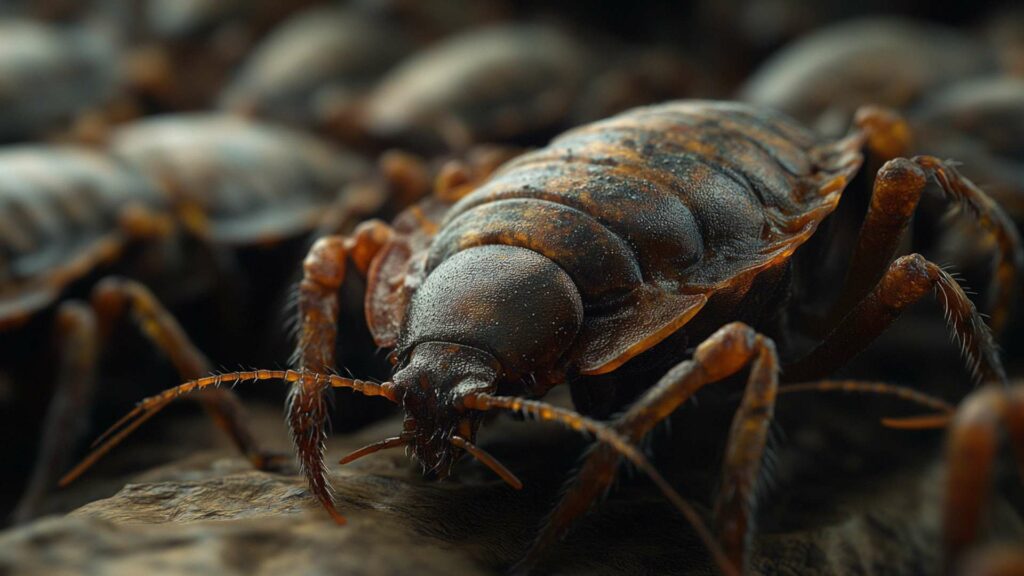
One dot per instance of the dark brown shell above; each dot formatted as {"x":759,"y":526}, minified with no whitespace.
{"x":49,"y":75}
{"x":59,"y":211}
{"x":824,"y":77}
{"x":318,"y":60}
{"x":650,"y":213}
{"x":252,"y":182}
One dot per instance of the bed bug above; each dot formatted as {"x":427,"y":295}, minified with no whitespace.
{"x":72,"y":67}
{"x":621,"y":243}
{"x":309,"y":70}
{"x":198,"y":189}
{"x":824,"y":77}
{"x":510,"y":83}
{"x":180,"y":54}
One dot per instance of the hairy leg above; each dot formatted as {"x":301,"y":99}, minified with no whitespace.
{"x":324,"y":271}
{"x":907,"y":280}
{"x":726,"y":352}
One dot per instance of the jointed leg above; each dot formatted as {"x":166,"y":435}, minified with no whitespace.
{"x":113,"y":297}
{"x":82,"y":331}
{"x":723,"y":354}
{"x":906,"y":281}
{"x":970,"y":453}
{"x":897,"y":190}
{"x":323,"y":273}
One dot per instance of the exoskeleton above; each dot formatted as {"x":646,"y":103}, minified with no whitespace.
{"x":667,"y":235}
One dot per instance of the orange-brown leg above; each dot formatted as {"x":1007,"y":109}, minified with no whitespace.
{"x":114,"y":297}
{"x":726,"y":352}
{"x":970,"y":452}
{"x":897,"y":189}
{"x":906,"y":281}
{"x":65,"y":421}
{"x":323,"y":273}
{"x":81,"y":332}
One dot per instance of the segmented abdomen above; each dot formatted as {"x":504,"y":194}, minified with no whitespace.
{"x":687,"y":194}
{"x":55,"y":204}
{"x":252,"y":181}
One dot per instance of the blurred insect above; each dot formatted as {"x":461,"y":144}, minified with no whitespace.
{"x":312,"y":68}
{"x":199,"y":186}
{"x":73,"y":67}
{"x":824,"y":77}
{"x":608,"y":251}
{"x":512,"y":83}
{"x":178,"y":55}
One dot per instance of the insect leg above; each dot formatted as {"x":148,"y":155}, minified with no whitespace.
{"x":65,"y":421}
{"x":323,"y":273}
{"x":726,"y":352}
{"x":897,"y":190}
{"x":113,"y":297}
{"x":906,"y":281}
{"x":898,"y":187}
{"x":970,"y":453}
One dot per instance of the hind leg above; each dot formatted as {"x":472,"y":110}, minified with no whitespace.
{"x":725,"y":353}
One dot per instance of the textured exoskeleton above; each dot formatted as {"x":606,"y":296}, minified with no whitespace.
{"x":602,"y":259}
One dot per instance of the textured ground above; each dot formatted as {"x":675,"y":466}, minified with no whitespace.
{"x":209,"y":514}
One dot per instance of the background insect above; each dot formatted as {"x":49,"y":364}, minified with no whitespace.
{"x":601,"y":257}
{"x":175,"y":205}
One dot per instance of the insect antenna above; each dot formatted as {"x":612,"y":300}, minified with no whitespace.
{"x":546,"y":412}
{"x":393,"y":442}
{"x":149,"y":407}
{"x":487,"y":460}
{"x":944,"y":409}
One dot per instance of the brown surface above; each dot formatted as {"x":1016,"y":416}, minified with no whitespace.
{"x":210,"y":514}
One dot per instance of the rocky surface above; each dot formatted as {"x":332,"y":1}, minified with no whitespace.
{"x":210,"y":514}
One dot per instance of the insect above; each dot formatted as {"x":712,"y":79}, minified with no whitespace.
{"x":512,"y":83}
{"x":824,"y":77}
{"x":171,"y":205}
{"x":622,"y":242}
{"x":179,"y":54}
{"x":312,"y":68}
{"x":71,"y":66}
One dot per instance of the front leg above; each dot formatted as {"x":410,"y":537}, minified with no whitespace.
{"x":324,"y":271}
{"x":725,"y":353}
